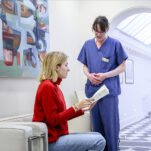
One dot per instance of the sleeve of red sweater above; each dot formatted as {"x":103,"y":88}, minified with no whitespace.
{"x":53,"y":117}
{"x":78,"y":113}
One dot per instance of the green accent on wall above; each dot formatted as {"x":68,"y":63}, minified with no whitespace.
{"x":10,"y":71}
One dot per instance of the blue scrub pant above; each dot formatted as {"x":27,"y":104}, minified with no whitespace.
{"x":91,"y":141}
{"x":105,"y":120}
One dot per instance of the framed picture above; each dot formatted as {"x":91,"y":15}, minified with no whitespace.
{"x":121,"y":77}
{"x":24,"y":37}
{"x":129,"y":72}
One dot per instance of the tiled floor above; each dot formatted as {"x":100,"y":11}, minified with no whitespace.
{"x":136,"y":137}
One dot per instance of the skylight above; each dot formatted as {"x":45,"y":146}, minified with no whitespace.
{"x":137,"y":26}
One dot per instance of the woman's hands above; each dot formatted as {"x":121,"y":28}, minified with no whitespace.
{"x":84,"y":104}
{"x":89,"y":107}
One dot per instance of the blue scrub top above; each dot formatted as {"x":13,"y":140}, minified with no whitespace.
{"x":109,"y":56}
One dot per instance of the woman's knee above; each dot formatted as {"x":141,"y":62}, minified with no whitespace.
{"x":100,"y":145}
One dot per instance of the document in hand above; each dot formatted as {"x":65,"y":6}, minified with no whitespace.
{"x":103,"y":91}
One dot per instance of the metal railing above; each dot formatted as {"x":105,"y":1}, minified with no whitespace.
{"x":32,"y":138}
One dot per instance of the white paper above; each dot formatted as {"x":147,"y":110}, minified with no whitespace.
{"x":103,"y":91}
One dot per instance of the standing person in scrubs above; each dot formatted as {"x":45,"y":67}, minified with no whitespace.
{"x":104,"y":59}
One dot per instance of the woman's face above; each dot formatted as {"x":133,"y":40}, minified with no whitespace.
{"x":100,"y":35}
{"x":63,"y":70}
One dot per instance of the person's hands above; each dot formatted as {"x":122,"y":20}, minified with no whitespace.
{"x":94,"y":79}
{"x":100,"y":77}
{"x":89,"y":107}
{"x":83,"y":103}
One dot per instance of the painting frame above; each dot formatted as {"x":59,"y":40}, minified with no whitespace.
{"x":24,"y":38}
{"x":121,"y":78}
{"x":129,"y":72}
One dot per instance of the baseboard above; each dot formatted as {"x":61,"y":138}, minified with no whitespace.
{"x":130,"y":120}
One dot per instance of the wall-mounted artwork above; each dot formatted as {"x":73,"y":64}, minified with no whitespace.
{"x":129,"y":72}
{"x":24,"y":37}
{"x":121,"y":77}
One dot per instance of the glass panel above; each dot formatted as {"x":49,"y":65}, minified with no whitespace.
{"x":148,"y":41}
{"x":125,"y":22}
{"x":136,"y":21}
{"x":144,"y":32}
{"x":137,"y":26}
{"x":141,"y":24}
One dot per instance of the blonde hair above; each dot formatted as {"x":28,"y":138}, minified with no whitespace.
{"x":51,"y":60}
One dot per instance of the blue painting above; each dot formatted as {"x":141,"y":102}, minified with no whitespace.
{"x":24,"y":37}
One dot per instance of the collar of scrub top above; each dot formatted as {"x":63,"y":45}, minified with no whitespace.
{"x":103,"y":41}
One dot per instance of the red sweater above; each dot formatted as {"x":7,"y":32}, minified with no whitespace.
{"x":50,"y":108}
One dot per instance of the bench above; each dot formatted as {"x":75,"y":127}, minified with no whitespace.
{"x":19,"y":133}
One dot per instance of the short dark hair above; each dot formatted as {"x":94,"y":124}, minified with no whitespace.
{"x":102,"y":21}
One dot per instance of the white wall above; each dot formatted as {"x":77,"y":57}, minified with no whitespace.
{"x":70,"y":26}
{"x":16,"y":96}
{"x":135,"y":98}
{"x":64,"y":36}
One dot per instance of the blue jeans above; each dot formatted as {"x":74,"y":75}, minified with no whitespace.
{"x":91,"y":141}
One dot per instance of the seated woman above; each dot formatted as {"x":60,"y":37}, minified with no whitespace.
{"x":50,"y":108}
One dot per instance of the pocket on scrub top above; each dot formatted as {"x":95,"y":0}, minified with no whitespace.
{"x":105,"y":62}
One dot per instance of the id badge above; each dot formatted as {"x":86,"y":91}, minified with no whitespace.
{"x":105,"y":59}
